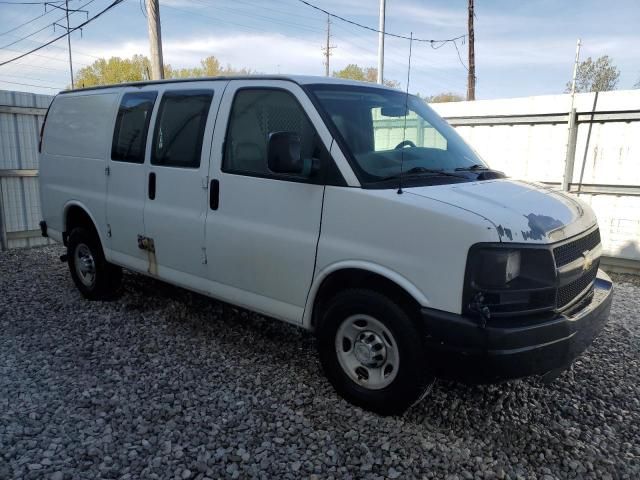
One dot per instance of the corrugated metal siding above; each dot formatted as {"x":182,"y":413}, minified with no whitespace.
{"x":536,"y":151}
{"x":19,"y":134}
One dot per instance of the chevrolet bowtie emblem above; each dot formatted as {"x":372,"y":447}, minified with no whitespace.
{"x":588,"y":260}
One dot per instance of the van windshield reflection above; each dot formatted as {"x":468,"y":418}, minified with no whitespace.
{"x":383,"y":128}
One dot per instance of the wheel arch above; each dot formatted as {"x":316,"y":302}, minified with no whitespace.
{"x":343,"y":275}
{"x":77,"y":214}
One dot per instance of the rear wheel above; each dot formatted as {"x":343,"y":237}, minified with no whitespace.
{"x":96,"y":278}
{"x":372,"y":352}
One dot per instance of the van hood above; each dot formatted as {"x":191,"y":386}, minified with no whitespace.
{"x":520,"y":211}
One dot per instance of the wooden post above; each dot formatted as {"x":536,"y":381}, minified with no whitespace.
{"x":471,"y":77}
{"x":155,"y":39}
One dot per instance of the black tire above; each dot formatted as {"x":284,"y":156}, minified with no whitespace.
{"x":412,"y":377}
{"x":107,"y":277}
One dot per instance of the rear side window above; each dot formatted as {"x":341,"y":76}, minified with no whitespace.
{"x":182,"y":117}
{"x":132,"y":125}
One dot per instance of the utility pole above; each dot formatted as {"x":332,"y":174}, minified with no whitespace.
{"x":572,"y":136}
{"x":471,"y":77}
{"x":155,"y":39}
{"x":66,"y":4}
{"x":67,"y":27}
{"x":327,"y":48}
{"x":381,"y":42}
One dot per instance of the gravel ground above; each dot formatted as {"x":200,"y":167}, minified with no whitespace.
{"x":163,"y":383}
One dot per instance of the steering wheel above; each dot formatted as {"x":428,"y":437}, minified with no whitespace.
{"x":405,"y":143}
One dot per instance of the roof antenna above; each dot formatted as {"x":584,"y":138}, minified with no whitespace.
{"x":406,"y":111}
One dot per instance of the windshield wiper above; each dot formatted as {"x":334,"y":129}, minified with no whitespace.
{"x":415,"y":171}
{"x":475,"y":166}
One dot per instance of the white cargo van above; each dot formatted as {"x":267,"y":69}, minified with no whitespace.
{"x":343,"y":207}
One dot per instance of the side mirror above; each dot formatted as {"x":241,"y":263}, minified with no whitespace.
{"x":283,"y":153}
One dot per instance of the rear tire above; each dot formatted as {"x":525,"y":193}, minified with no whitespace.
{"x":96,"y":278}
{"x":372,"y":351}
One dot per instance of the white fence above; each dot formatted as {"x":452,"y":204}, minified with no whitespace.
{"x":524,"y":137}
{"x":21,"y":115}
{"x":527,"y":138}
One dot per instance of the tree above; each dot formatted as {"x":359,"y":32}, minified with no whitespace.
{"x":443,"y":97}
{"x":114,"y":70}
{"x":367,"y":74}
{"x":599,"y":76}
{"x":209,"y":67}
{"x":118,"y":70}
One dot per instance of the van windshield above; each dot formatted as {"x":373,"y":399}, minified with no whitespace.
{"x":382,"y":128}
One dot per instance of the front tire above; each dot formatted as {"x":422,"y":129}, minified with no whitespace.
{"x":96,"y":278}
{"x":372,"y":351}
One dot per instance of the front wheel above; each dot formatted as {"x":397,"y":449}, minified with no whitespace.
{"x":96,"y":278}
{"x":372,"y":352}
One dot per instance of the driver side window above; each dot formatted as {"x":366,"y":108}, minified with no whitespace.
{"x":389,"y":132}
{"x":256,"y":113}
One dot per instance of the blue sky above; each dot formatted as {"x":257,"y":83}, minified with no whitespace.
{"x":522,"y":47}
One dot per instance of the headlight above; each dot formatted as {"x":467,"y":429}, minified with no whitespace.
{"x":498,"y":267}
{"x":503,"y":279}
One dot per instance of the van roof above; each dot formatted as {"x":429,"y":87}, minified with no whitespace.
{"x":299,"y":79}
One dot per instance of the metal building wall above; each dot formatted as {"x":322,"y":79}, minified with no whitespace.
{"x":21,"y":115}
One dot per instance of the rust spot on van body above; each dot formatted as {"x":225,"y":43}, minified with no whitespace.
{"x":151,"y":252}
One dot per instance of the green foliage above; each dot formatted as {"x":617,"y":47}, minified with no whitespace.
{"x":113,"y":70}
{"x":118,"y":70}
{"x":596,"y":76}
{"x":368,"y":74}
{"x":443,"y":97}
{"x":209,"y":67}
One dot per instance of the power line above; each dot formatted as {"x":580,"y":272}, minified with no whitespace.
{"x":245,"y":14}
{"x":30,"y":3}
{"x":76,"y":51}
{"x":31,"y":85}
{"x":21,"y":65}
{"x":26,"y":23}
{"x":460,"y":57}
{"x":22,"y":77}
{"x":48,"y":57}
{"x":379,"y":31}
{"x":220,"y":20}
{"x":67,"y":29}
{"x":46,"y":26}
{"x":277,"y":11}
{"x":71,"y":30}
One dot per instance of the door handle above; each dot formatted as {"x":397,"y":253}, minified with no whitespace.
{"x":214,"y":194}
{"x":152,"y":186}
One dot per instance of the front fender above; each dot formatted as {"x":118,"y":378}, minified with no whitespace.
{"x":389,"y":274}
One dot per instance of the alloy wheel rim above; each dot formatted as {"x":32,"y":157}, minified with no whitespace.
{"x":367,"y":351}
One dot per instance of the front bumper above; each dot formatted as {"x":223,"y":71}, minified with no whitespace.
{"x":460,"y":348}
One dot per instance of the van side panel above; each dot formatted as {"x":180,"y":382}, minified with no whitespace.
{"x":75,"y":144}
{"x":420,"y":246}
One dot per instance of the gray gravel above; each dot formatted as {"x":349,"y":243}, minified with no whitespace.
{"x":163,"y":383}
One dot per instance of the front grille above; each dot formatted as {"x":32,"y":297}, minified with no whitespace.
{"x":567,"y":253}
{"x":569,"y":292}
